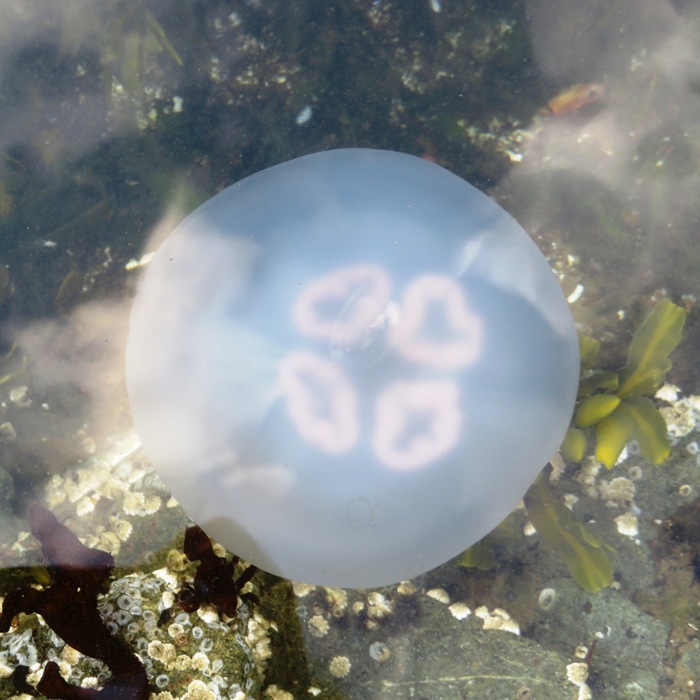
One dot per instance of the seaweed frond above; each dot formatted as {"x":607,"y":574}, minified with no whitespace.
{"x":583,"y":553}
{"x":616,"y":404}
{"x":69,"y":607}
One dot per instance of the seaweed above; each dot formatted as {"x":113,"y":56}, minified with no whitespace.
{"x":214,"y":581}
{"x":69,"y":608}
{"x":129,"y":35}
{"x":616,"y":404}
{"x":583,"y":553}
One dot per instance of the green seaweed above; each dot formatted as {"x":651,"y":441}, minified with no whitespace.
{"x":589,"y":349}
{"x":574,"y":445}
{"x":652,"y":343}
{"x":583,"y":553}
{"x":161,"y":37}
{"x":479,"y":556}
{"x":636,"y":417}
{"x":614,"y":404}
{"x":595,"y":380}
{"x":593,"y":409}
{"x":18,"y":366}
{"x":146,"y":39}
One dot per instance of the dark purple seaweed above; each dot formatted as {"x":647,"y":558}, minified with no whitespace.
{"x":69,"y":607}
{"x":214,"y":580}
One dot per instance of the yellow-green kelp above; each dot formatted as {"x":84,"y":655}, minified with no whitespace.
{"x":616,"y":404}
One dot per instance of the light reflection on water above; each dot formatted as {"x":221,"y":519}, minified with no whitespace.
{"x":116,"y":120}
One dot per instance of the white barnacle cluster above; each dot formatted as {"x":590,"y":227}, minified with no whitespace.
{"x":497,"y":619}
{"x":587,"y":476}
{"x":27,"y":645}
{"x":326,"y":612}
{"x":378,"y":606}
{"x":577,"y":673}
{"x":17,"y":649}
{"x":274,"y":692}
{"x":187,"y":656}
{"x":138,"y":503}
{"x":617,"y":491}
{"x":682,"y":416}
{"x":458,"y":610}
{"x":115,"y":477}
{"x":627,"y":524}
{"x":258,"y":639}
{"x":371,"y":608}
{"x":195,"y":690}
{"x":338,"y":600}
{"x":405,"y":588}
{"x":109,"y":475}
{"x":388,"y":629}
{"x":301,"y":590}
{"x":325,"y":606}
{"x":332,"y":604}
{"x":683,"y":422}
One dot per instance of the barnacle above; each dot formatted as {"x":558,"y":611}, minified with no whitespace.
{"x":69,"y":607}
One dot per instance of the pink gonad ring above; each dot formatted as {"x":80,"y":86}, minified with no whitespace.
{"x":348,"y":368}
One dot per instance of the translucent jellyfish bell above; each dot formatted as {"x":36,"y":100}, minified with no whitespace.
{"x":349,"y":367}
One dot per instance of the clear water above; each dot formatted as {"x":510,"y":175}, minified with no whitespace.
{"x":117,"y":118}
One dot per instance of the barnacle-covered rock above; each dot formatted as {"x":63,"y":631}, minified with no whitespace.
{"x":185,"y":655}
{"x":180,"y":648}
{"x":115,"y":502}
{"x":386,"y":642}
{"x":68,"y":605}
{"x":189,"y":648}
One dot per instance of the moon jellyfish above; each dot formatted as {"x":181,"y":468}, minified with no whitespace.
{"x":348,"y":368}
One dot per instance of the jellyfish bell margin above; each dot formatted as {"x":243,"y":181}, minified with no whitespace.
{"x":349,"y":367}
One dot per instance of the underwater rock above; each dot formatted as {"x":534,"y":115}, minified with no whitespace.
{"x":186,"y":653}
{"x":115,"y":501}
{"x":632,"y":645}
{"x":355,"y":353}
{"x":403,"y":641}
{"x":182,"y":651}
{"x":69,"y":608}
